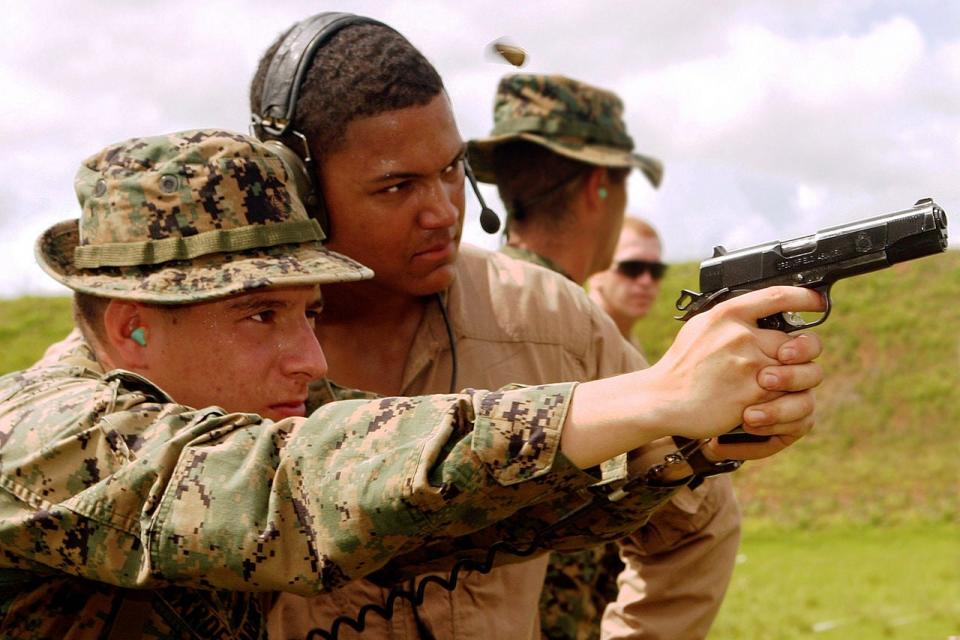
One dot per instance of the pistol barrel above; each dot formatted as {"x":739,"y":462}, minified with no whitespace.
{"x":831,"y":254}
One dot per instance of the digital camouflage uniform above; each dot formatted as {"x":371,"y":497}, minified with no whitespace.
{"x":124,"y":514}
{"x":698,"y":531}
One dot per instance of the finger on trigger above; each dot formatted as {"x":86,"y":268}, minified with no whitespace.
{"x":770,"y":300}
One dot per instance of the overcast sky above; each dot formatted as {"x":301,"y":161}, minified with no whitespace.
{"x":773,"y":119}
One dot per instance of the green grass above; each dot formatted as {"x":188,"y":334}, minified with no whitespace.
{"x":897,"y":583}
{"x":28,"y":326}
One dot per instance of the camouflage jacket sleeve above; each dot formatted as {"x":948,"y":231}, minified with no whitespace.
{"x":617,"y":504}
{"x":105,"y":478}
{"x":603,"y":512}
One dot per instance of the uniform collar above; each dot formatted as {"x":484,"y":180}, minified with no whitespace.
{"x":522,"y":253}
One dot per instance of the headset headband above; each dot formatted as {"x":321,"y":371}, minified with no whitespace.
{"x":281,"y":86}
{"x":278,"y":104}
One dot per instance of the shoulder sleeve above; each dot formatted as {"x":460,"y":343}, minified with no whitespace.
{"x":105,"y":483}
{"x":599,"y":515}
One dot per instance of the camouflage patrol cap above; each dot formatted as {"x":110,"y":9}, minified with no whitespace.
{"x":568,"y":117}
{"x":187,"y":217}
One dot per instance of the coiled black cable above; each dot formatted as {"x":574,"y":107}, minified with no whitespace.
{"x":451,"y":340}
{"x":416,"y":595}
{"x":602,"y":496}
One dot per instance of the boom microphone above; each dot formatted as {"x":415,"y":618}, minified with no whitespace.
{"x":489,"y":221}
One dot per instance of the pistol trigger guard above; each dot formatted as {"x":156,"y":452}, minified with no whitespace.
{"x":791,"y":326}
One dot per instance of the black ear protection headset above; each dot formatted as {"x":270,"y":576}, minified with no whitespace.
{"x":278,"y":103}
{"x":275,"y":125}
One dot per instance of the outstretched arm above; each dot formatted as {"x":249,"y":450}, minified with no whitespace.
{"x":713,"y":377}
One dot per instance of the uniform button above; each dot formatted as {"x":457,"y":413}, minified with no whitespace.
{"x":168,"y":183}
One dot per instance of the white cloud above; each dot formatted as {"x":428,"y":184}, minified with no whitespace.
{"x":852,"y":113}
{"x":810,"y":198}
{"x":773,"y":121}
{"x":762,"y":81}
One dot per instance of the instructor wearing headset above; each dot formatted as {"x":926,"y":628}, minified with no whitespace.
{"x":369,"y":116}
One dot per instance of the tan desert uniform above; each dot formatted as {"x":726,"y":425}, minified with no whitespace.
{"x":677,"y":566}
{"x":512,"y":321}
{"x":552,"y":332}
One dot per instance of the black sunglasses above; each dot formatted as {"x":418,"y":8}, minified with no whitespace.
{"x":636,"y":268}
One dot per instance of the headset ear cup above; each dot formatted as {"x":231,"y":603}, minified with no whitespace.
{"x":304,"y":184}
{"x":279,"y":95}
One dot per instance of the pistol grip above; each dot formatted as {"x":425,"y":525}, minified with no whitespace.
{"x":738,"y":436}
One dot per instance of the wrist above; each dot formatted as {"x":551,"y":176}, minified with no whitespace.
{"x":659,"y":463}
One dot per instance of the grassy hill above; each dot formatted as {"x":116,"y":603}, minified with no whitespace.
{"x":887,"y":444}
{"x":28,"y":326}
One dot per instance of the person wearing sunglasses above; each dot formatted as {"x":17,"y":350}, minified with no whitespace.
{"x":628,"y":289}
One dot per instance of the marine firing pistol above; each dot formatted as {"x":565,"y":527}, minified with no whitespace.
{"x":816,"y":262}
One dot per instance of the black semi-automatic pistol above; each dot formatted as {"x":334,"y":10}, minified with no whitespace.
{"x":816,"y":261}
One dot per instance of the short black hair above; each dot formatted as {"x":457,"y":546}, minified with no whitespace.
{"x":363,"y":70}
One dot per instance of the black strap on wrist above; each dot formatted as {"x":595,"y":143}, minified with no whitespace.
{"x":691,"y":451}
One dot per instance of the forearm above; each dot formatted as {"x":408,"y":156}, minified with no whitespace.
{"x":354,"y":498}
{"x":608,"y":417}
{"x":488,"y":468}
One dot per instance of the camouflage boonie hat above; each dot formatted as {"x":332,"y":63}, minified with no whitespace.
{"x":187,"y":217}
{"x":568,"y":117}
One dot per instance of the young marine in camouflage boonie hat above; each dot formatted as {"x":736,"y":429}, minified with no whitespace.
{"x":188,"y":217}
{"x":568,"y":117}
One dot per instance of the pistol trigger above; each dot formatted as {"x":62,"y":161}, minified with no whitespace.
{"x":825,"y":292}
{"x":795,"y":321}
